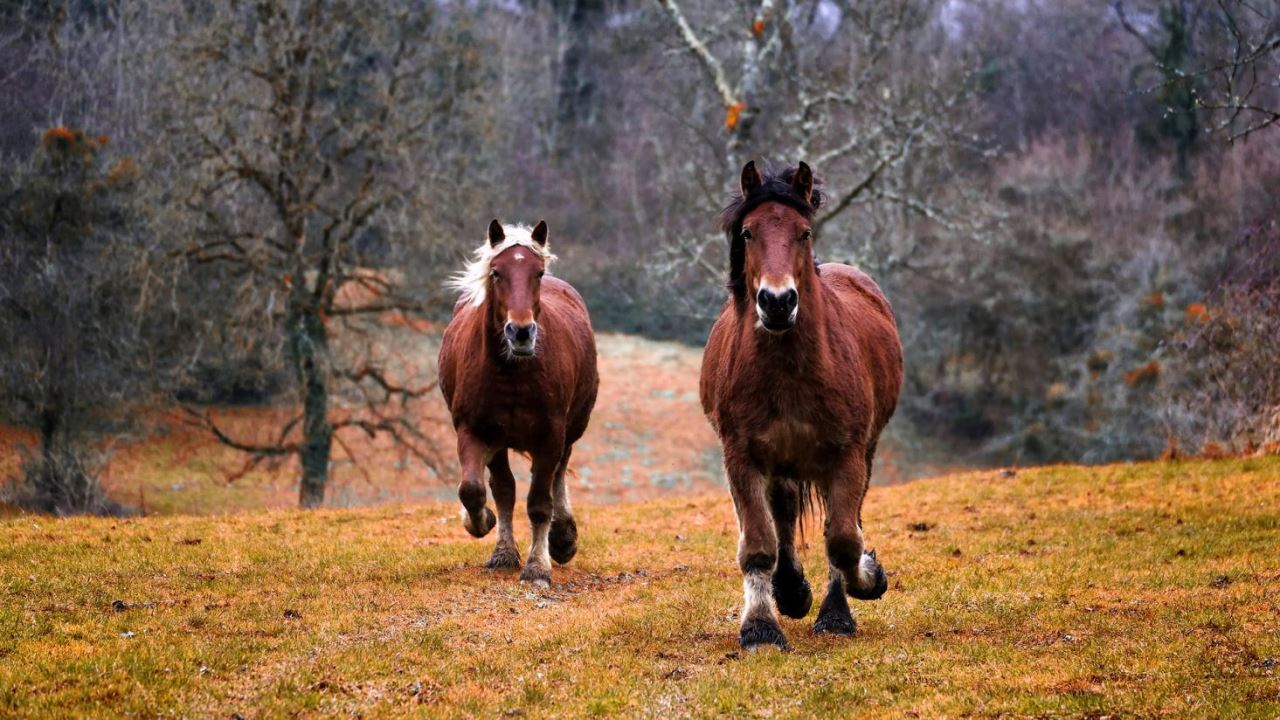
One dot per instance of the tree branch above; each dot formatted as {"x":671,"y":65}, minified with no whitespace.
{"x":699,"y":49}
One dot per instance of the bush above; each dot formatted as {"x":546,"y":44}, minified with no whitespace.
{"x":62,"y":480}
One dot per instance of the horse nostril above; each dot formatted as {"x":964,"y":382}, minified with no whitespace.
{"x":791,"y":298}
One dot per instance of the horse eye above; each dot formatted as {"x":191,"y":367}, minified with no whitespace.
{"x":495,"y":275}
{"x":806,"y":235}
{"x":541,"y":273}
{"x":746,"y":234}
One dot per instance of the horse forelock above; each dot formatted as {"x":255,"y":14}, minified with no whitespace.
{"x":774,"y":187}
{"x":472,"y":281}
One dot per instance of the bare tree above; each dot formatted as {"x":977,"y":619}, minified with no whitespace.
{"x":1220,"y":57}
{"x":1244,"y":92}
{"x":304,"y":127}
{"x":852,"y":90}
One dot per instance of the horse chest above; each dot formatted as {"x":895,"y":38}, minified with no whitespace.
{"x":789,"y":440}
{"x":796,"y":433}
{"x":517,"y":413}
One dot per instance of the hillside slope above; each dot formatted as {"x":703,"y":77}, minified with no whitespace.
{"x":1148,"y":590}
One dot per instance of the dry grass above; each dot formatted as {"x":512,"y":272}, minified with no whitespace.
{"x":1147,"y":590}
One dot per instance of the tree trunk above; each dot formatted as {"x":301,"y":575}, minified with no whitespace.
{"x":310,"y":345}
{"x":575,"y":86}
{"x":50,"y":420}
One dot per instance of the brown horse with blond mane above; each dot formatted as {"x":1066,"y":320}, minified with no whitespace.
{"x":518,"y":372}
{"x":801,"y":373}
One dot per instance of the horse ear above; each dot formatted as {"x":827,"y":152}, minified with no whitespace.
{"x":540,"y":233}
{"x":750,"y":178}
{"x":802,"y":182}
{"x":496,"y":236}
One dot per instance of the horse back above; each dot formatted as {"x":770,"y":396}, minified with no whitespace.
{"x":865,"y":315}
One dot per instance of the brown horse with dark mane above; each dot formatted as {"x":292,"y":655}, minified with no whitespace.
{"x":801,"y":373}
{"x":518,"y":372}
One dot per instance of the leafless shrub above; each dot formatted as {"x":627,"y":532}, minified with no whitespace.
{"x":62,"y":480}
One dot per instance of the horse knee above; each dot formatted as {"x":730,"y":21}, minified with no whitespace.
{"x":758,"y":561}
{"x":844,"y":550}
{"x":864,"y":577}
{"x":478,"y":519}
{"x":472,"y":493}
{"x":539,"y":511}
{"x":563,"y":539}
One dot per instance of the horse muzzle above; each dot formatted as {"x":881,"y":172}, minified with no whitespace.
{"x":521,"y":339}
{"x":777,"y":309}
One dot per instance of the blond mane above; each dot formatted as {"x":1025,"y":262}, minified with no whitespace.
{"x":473,"y":280}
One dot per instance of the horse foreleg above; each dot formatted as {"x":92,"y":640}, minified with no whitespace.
{"x":502,"y":484}
{"x":757,"y":555}
{"x":537,"y":570}
{"x":478,"y":519}
{"x":853,"y":570}
{"x":791,"y":591}
{"x":564,"y":530}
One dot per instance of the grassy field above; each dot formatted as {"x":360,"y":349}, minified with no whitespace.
{"x":1126,"y":591}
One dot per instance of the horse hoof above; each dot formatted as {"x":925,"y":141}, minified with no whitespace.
{"x":504,"y":558}
{"x":537,"y":576}
{"x":835,"y":623}
{"x":871,"y":581}
{"x":756,"y":634}
{"x":793,"y":600}
{"x":563,"y":540}
{"x":487,"y":521}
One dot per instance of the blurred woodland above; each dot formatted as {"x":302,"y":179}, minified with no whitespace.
{"x":1072,"y":205}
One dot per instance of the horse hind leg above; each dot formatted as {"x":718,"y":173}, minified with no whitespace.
{"x":506,"y":556}
{"x":563,"y":537}
{"x":791,"y":591}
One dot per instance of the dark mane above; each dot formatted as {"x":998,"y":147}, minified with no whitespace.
{"x":775,"y":187}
